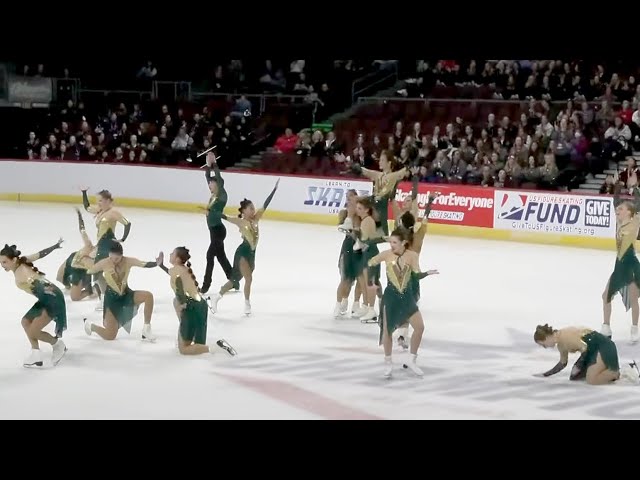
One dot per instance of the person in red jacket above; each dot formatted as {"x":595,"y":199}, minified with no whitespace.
{"x":626,"y":113}
{"x":286,"y":143}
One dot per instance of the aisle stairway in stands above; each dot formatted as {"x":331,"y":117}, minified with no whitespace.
{"x":592,"y":185}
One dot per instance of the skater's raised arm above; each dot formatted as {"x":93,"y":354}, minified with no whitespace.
{"x":83,"y":233}
{"x":43,"y":253}
{"x":267,"y":201}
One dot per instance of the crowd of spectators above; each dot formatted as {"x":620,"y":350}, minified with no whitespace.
{"x":149,"y":134}
{"x":526,"y":79}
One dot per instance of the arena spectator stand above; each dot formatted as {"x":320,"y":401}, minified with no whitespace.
{"x":563,"y":131}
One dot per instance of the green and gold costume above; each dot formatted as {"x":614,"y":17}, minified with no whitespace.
{"x":193,"y":318}
{"x":50,"y":300}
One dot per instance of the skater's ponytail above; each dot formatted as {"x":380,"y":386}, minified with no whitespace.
{"x":542,"y":332}
{"x":183,"y":254}
{"x":12,"y":252}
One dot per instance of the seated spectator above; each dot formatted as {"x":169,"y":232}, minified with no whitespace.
{"x":286,"y":143}
{"x":609,"y":186}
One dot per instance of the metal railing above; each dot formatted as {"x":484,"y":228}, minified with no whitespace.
{"x":374,"y":80}
{"x":259,"y":100}
{"x":498,"y":101}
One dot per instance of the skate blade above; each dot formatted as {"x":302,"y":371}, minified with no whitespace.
{"x":33,"y":365}
{"x":370,"y":320}
{"x":226,"y":347}
{"x":149,"y":340}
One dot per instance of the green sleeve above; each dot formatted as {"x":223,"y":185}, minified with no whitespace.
{"x":80,"y":221}
{"x":150,"y":265}
{"x":269,"y":198}
{"x":85,"y":200}
{"x":180,"y":295}
{"x":414,"y":187}
{"x":127,"y":229}
{"x":164,"y":268}
{"x":47,"y":251}
{"x":559,"y":367}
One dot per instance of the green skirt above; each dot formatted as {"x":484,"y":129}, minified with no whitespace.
{"x":350,"y":262}
{"x":193,"y":322}
{"x":367,"y":255}
{"x":625,"y":272}
{"x":396,"y":308}
{"x":243,"y":251}
{"x":53,"y":304}
{"x":122,"y":307}
{"x":104,"y":245}
{"x":75,"y":276}
{"x":598,"y":343}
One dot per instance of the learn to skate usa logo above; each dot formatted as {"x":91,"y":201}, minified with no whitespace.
{"x":512,"y":206}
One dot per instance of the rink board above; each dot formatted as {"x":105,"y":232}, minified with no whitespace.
{"x":466,"y":211}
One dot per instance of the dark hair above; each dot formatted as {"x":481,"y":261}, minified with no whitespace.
{"x":116,"y":247}
{"x":106,"y":194}
{"x":11,"y":252}
{"x":367,"y":203}
{"x":391,"y":158}
{"x":405,"y":236}
{"x":244,"y":204}
{"x":183,"y":254}
{"x":542,"y":332}
{"x":408,"y":220}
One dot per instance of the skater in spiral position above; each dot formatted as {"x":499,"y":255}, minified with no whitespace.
{"x":245,"y":256}
{"x":120,"y":302}
{"x":106,"y":219}
{"x":625,"y":278}
{"x":217,"y":230}
{"x":399,"y":301}
{"x":598,"y":362}
{"x":73,"y":272}
{"x":350,"y":260}
{"x":50,"y":306}
{"x":192,"y":310}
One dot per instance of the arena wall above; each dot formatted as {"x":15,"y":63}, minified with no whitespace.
{"x":468,"y":211}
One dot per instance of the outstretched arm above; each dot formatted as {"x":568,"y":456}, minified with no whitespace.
{"x":267,"y":201}
{"x":564,"y":359}
{"x":83,"y":232}
{"x":373,"y":262}
{"x":43,"y":253}
{"x":235,"y":220}
{"x":134,"y":262}
{"x":86,"y":204}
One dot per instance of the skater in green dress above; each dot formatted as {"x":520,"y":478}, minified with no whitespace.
{"x":350,"y":260}
{"x":192,"y":310}
{"x":107,"y":218}
{"x":244,"y":258}
{"x":598,"y":362}
{"x":384,"y":185}
{"x":73,"y":272}
{"x":50,"y":306}
{"x":398,"y":301}
{"x":370,"y":237}
{"x":625,"y":278}
{"x":120,"y":302}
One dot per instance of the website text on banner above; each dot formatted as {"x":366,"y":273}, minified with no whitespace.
{"x":327,"y":196}
{"x":456,"y":205}
{"x":560,"y":214}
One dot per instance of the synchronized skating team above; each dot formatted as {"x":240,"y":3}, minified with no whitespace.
{"x":101,"y":272}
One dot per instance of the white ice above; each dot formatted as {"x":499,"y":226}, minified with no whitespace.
{"x":294,"y":360}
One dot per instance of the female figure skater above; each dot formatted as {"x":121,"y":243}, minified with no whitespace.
{"x":370,"y":236}
{"x":49,"y":307}
{"x":106,"y":219}
{"x":384,"y":185}
{"x":73,"y":272}
{"x":120,"y":302}
{"x":350,"y":260}
{"x":598,"y":362}
{"x":245,"y":256}
{"x":217,"y":230}
{"x":398,"y":301}
{"x":625,"y":278}
{"x":191,"y":308}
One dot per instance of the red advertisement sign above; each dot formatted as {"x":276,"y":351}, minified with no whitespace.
{"x":456,"y":205}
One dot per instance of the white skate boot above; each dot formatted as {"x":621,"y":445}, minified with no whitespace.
{"x":337,"y":310}
{"x":87,"y":327}
{"x":370,"y":315}
{"x":147,"y":334}
{"x":606,"y":330}
{"x":629,"y":374}
{"x":213,"y":302}
{"x":356,"y":310}
{"x":222,"y":344}
{"x":635,"y":336}
{"x":388,"y":367}
{"x":247,"y":308}
{"x":59,"y":349}
{"x":34,"y":359}
{"x":411,"y":365}
{"x":344,"y":306}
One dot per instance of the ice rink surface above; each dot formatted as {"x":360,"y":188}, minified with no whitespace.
{"x":294,"y":360}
